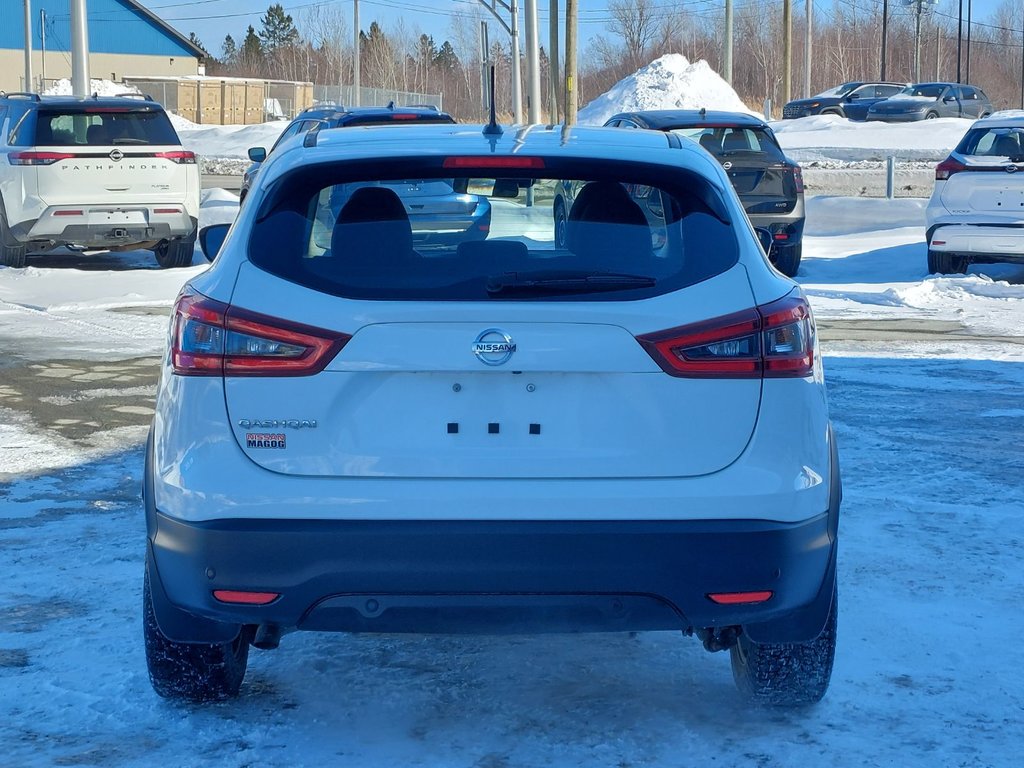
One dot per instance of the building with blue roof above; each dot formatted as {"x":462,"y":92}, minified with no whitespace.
{"x":125,"y":39}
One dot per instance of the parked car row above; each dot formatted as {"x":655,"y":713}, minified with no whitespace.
{"x":894,"y":102}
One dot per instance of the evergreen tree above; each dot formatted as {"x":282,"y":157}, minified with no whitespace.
{"x":252,"y":48}
{"x":278,"y":29}
{"x":194,"y":39}
{"x":228,"y":50}
{"x":445,"y":59}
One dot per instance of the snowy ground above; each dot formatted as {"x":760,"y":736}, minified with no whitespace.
{"x":925,"y":376}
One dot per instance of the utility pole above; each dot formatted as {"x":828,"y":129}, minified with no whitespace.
{"x":571,"y":95}
{"x":959,"y":40}
{"x":938,"y":52}
{"x":42,"y":37}
{"x":80,"y":81}
{"x":917,"y":41}
{"x":787,"y":56}
{"x":553,"y":58}
{"x":1022,"y":69}
{"x":355,"y":54}
{"x":808,"y":46}
{"x":485,"y":59}
{"x":967,"y":69}
{"x":533,"y":63}
{"x":727,"y":57}
{"x":885,"y":36}
{"x":512,"y":6}
{"x":28,"y":45}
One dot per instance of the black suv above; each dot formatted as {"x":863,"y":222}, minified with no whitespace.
{"x":770,"y":185}
{"x":334,"y":116}
{"x":850,"y":100}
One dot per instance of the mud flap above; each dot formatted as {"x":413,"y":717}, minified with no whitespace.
{"x":806,"y":624}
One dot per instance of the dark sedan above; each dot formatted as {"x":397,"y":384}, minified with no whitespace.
{"x":927,"y":101}
{"x":851,"y":100}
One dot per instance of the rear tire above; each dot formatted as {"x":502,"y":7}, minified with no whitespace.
{"x":561,"y":224}
{"x":931,"y":115}
{"x":191,"y":671}
{"x":940,"y":263}
{"x":787,"y":258}
{"x":12,"y":253}
{"x":786,"y":674}
{"x":176,"y":253}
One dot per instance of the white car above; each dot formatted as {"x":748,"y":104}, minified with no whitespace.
{"x":94,"y":174}
{"x":629,"y":432}
{"x":976,"y":212}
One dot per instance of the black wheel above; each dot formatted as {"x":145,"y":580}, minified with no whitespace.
{"x":12,"y":253}
{"x":561,"y":224}
{"x":940,"y":263}
{"x":786,"y":258}
{"x":191,"y":671}
{"x":786,"y":674}
{"x":836,"y":112}
{"x":176,"y":253}
{"x":931,"y":115}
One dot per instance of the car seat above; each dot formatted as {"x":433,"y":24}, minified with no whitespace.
{"x":1005,"y":146}
{"x":96,"y":134}
{"x":735,"y":141}
{"x":710,"y":143}
{"x":607,"y":226}
{"x":372,"y":235}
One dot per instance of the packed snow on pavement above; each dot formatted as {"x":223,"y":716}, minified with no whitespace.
{"x":924,"y":379}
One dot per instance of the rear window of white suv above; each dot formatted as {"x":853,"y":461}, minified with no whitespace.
{"x":1004,"y":141}
{"x":98,"y":126}
{"x":445,"y":230}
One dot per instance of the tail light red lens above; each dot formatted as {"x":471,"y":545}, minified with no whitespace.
{"x":37,"y":158}
{"x":798,"y":179}
{"x":740,"y":598}
{"x":239,"y":597}
{"x":774,"y":340}
{"x":947,"y":168}
{"x":209,"y":338}
{"x":181,"y":157}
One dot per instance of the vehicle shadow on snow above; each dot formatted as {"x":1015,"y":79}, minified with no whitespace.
{"x":891,"y":264}
{"x":104,"y":261}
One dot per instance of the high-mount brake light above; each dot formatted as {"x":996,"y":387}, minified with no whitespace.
{"x":209,"y":338}
{"x":401,"y":116}
{"x":774,"y":340}
{"x":37,"y":158}
{"x":181,"y":157}
{"x":947,"y":168}
{"x":494,"y":161}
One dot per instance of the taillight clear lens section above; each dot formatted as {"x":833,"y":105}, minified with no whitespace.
{"x":181,"y":157}
{"x":37,"y":158}
{"x":798,"y":179}
{"x":209,"y":338}
{"x":773,"y":341}
{"x":947,"y":168}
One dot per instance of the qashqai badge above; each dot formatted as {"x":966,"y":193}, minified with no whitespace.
{"x":494,"y":347}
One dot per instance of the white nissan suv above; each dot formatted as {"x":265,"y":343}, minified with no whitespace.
{"x":976,"y":212}
{"x":94,"y":174}
{"x":625,"y":432}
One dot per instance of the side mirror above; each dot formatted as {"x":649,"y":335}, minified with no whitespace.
{"x":853,"y":97}
{"x":949,"y":99}
{"x":763,"y":235}
{"x":211,"y":239}
{"x":257,"y":154}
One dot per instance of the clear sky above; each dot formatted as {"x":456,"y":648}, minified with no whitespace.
{"x":211,"y":20}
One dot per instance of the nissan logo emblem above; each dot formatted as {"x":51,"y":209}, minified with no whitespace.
{"x":116,"y":155}
{"x":494,"y":347}
{"x":727,"y":165}
{"x":1011,"y":169}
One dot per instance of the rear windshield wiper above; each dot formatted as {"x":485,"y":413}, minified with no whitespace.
{"x":599,"y":281}
{"x":129,"y":140}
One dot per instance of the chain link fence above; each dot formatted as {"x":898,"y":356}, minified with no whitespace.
{"x":374,"y":97}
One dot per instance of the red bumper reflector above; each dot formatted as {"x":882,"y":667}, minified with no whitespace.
{"x":245,"y":598}
{"x":781,"y":236}
{"x":68,"y":213}
{"x":938,"y":242}
{"x":739,"y":598}
{"x":166,"y":210}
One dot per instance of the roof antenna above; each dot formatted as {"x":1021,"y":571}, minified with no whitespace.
{"x":492,"y":128}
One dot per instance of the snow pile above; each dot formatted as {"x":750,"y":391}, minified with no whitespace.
{"x":180,"y":123}
{"x":229,"y":140}
{"x":830,"y":137}
{"x":99,"y":87}
{"x":670,"y":82}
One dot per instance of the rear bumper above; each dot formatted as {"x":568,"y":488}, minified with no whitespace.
{"x":982,"y":243}
{"x":493,"y":575}
{"x":454,"y":576}
{"x":107,"y":226}
{"x":897,"y":117}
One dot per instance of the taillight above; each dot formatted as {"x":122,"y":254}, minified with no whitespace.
{"x":209,"y":338}
{"x":947,"y":168}
{"x":774,"y":340}
{"x":37,"y":158}
{"x":798,"y":179}
{"x":181,"y":157}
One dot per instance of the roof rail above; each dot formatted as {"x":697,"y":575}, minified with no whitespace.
{"x":423,"y":106}
{"x":133,"y":95}
{"x":22,"y":95}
